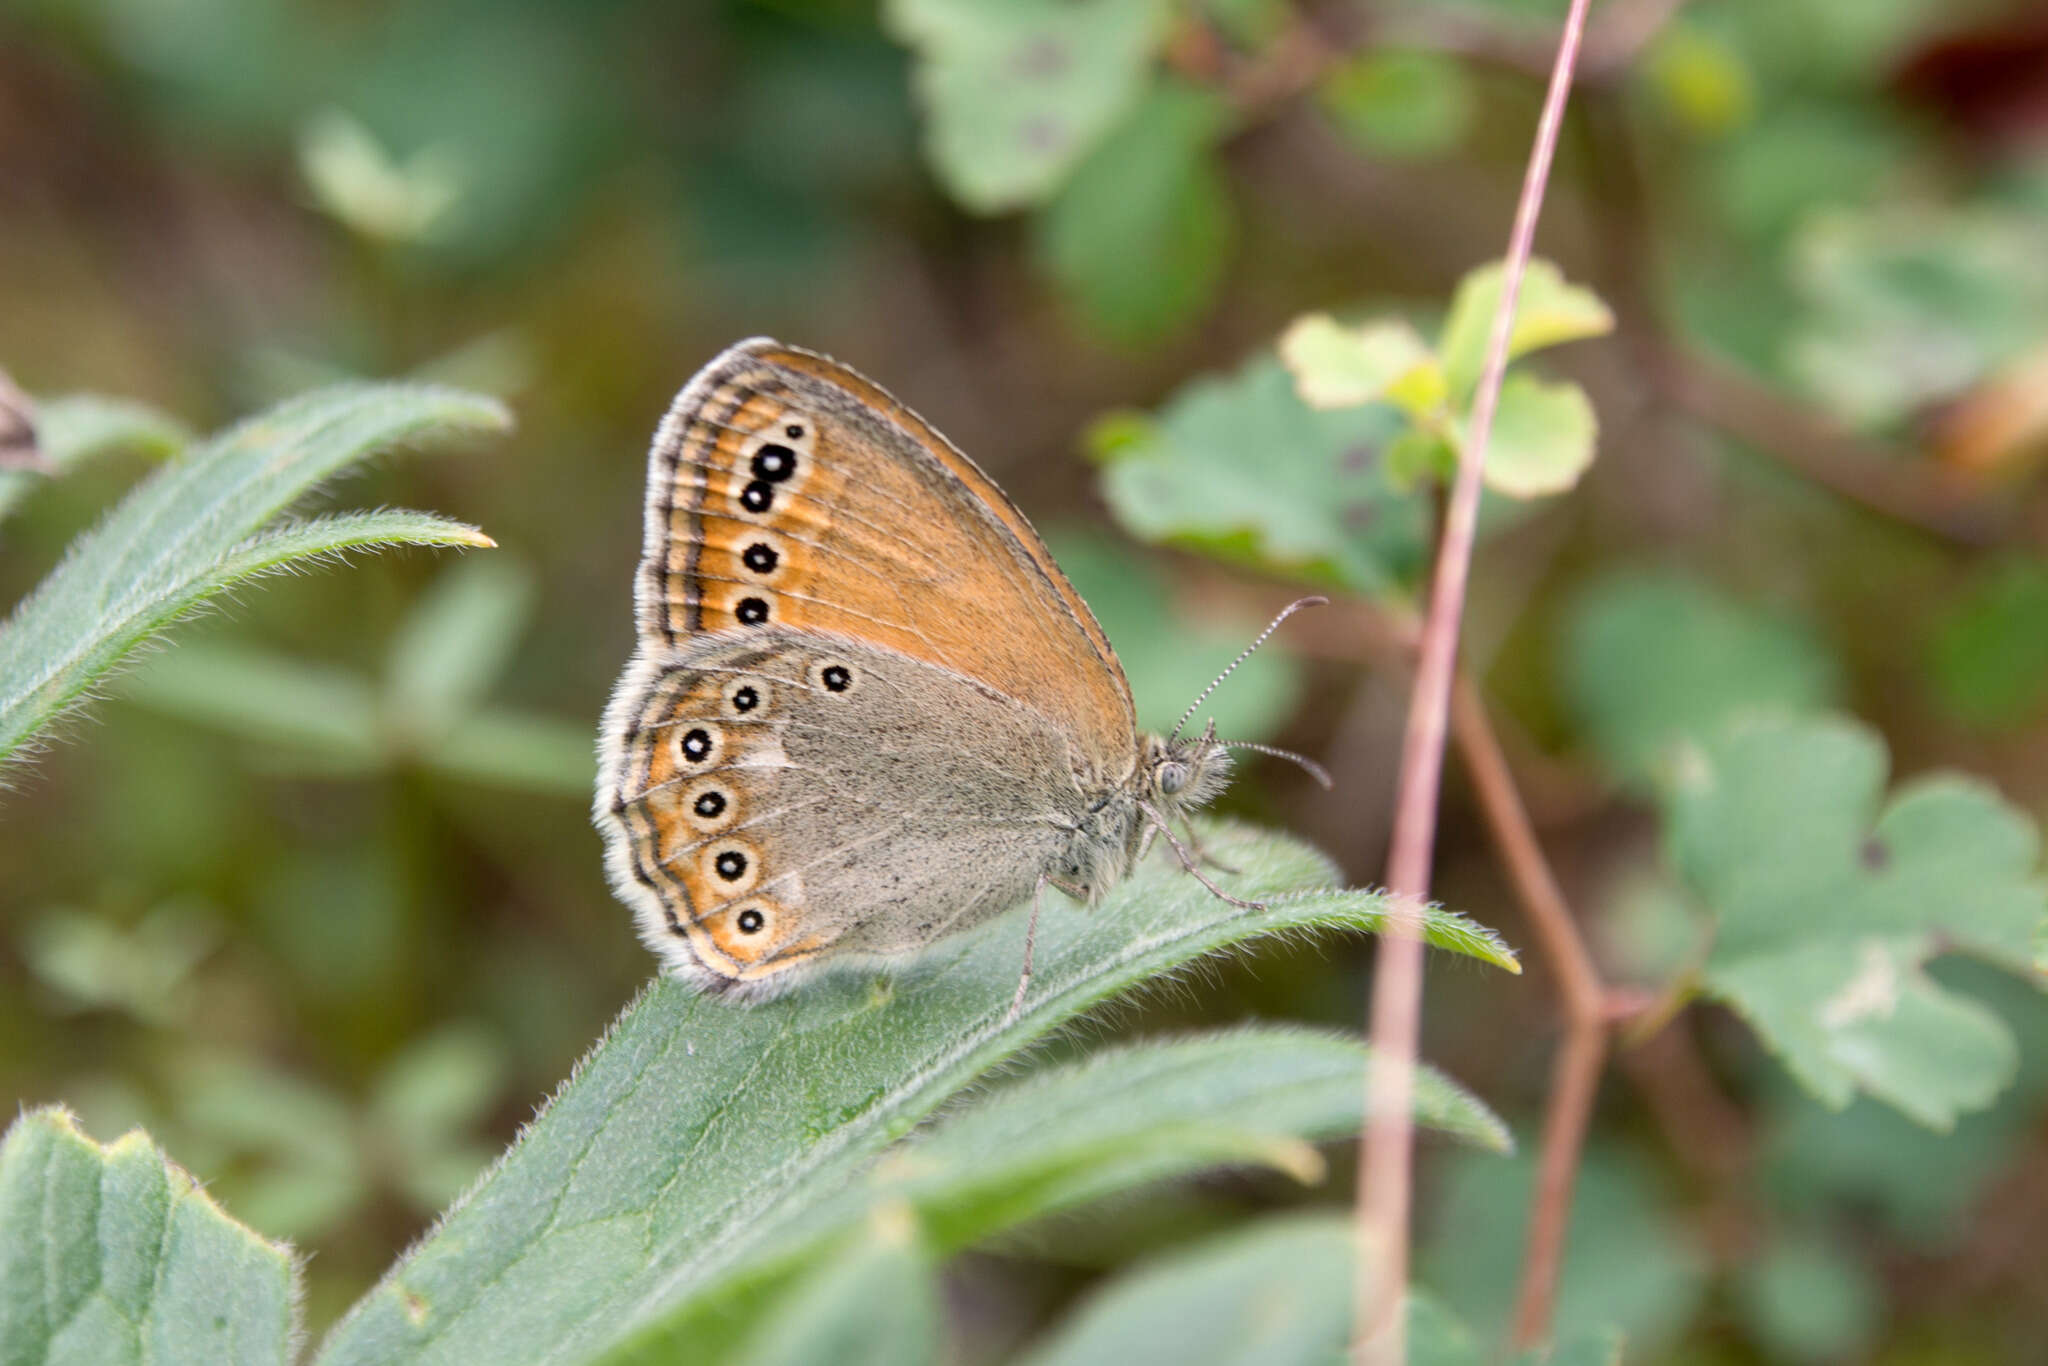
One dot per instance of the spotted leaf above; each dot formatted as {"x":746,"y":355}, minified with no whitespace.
{"x":1827,"y":901}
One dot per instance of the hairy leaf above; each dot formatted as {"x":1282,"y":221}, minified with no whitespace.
{"x":1277,"y":1295}
{"x":198,"y":526}
{"x":76,"y":428}
{"x":111,"y":1255}
{"x":695,"y":1129}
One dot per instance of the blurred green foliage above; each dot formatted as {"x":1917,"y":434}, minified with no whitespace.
{"x":312,"y":895}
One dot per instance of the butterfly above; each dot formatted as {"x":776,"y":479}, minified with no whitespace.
{"x":865,"y":709}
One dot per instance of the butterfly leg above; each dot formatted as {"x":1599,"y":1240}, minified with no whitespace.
{"x":1201,"y":854}
{"x":1031,"y":937}
{"x":1193,"y":868}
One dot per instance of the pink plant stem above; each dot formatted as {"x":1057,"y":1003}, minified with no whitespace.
{"x":1386,"y":1158}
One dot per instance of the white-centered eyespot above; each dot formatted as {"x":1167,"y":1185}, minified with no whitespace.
{"x":834,"y":676}
{"x":755,"y":919}
{"x":748,"y":697}
{"x":710,"y":805}
{"x":698,"y":745}
{"x":763,"y":556}
{"x":730,"y":866}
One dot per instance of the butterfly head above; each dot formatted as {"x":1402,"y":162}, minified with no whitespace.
{"x":1183,"y":773}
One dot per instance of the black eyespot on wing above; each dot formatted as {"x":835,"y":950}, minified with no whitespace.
{"x":761,"y":558}
{"x":696,"y":744}
{"x":774,"y":463}
{"x":794,"y":431}
{"x":710,"y":805}
{"x":752,"y":611}
{"x":750,"y":921}
{"x":836,"y":677}
{"x":731,"y":865}
{"x":757,"y":496}
{"x":745,"y":699}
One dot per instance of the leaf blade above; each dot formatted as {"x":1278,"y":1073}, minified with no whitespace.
{"x":197,"y":526}
{"x":111,"y":1255}
{"x":595,"y":1189}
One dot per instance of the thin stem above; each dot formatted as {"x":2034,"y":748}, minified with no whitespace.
{"x":1575,"y":1076}
{"x":1386,"y":1157}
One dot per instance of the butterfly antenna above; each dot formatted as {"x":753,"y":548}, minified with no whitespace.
{"x":1289,"y":610}
{"x":1310,"y":766}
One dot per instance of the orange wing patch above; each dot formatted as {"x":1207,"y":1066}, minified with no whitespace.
{"x":698,"y":787}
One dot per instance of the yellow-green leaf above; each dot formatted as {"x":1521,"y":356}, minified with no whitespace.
{"x":1335,"y":366}
{"x":1548,"y":312}
{"x":1543,"y":438}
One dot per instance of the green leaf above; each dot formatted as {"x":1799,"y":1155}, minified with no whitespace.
{"x":1652,"y":658}
{"x":1547,"y":312}
{"x":1138,"y":237}
{"x":197,"y":526}
{"x":873,"y":1305}
{"x":1827,"y":902}
{"x":1079,"y":1132}
{"x":1543,"y":437}
{"x":646,"y":1180}
{"x":1629,"y":1264}
{"x":1990,"y":656}
{"x":1240,"y":467}
{"x":1909,"y":307}
{"x":1069,"y":1134}
{"x":1276,"y":1295}
{"x":1399,"y":105}
{"x":1923,"y":1189}
{"x":77,"y":428}
{"x":1018,"y":92}
{"x":356,"y":179}
{"x":111,"y":1255}
{"x":1335,"y":366}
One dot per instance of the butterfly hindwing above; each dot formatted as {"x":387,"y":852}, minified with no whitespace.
{"x":776,"y":796}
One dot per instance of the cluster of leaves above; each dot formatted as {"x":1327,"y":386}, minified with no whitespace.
{"x":1795,"y":892}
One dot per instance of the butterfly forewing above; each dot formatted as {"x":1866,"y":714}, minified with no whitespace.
{"x":787,"y":490}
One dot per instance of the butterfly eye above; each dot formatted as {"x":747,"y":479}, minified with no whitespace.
{"x":1172,"y":778}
